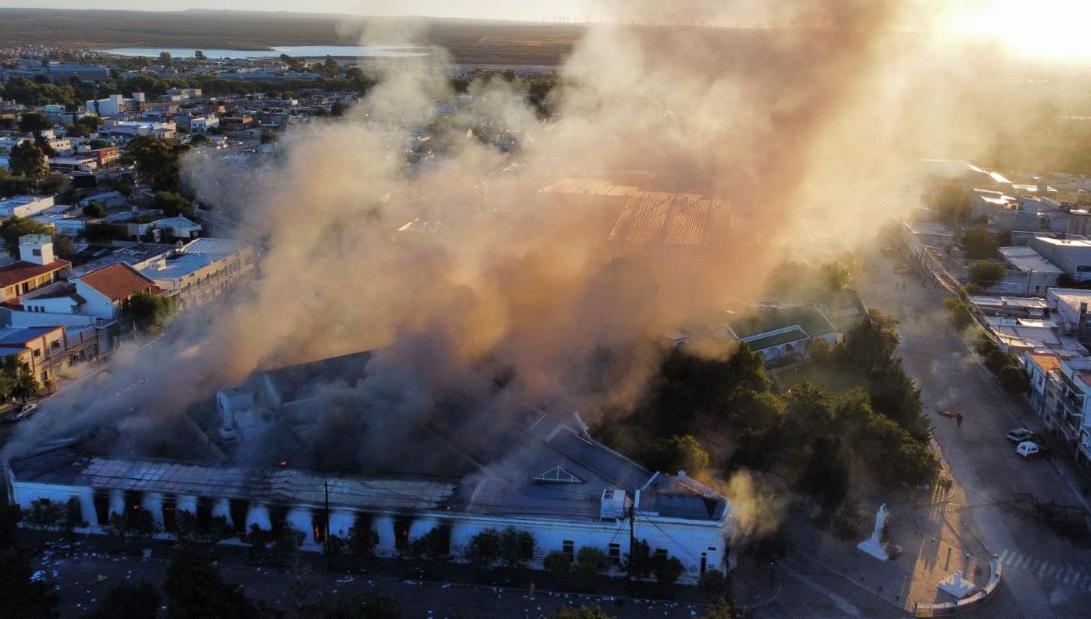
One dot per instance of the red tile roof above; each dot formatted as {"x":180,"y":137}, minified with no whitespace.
{"x":118,"y":281}
{"x":21,"y":271}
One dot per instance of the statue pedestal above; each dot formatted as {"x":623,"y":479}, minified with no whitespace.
{"x":957,"y":586}
{"x":874,"y":548}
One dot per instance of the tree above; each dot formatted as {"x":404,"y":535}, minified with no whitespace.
{"x":362,"y":540}
{"x":958,"y":313}
{"x":173,"y":204}
{"x":712,"y":582}
{"x":583,"y":612}
{"x":337,"y":109}
{"x":722,"y":610}
{"x":979,"y":244}
{"x":952,"y":202}
{"x":165,"y":59}
{"x":195,"y":590}
{"x":483,"y":549}
{"x":1014,"y":380}
{"x":987,"y":274}
{"x":129,"y":601}
{"x":638,"y":561}
{"x":148,"y":311}
{"x":677,"y":453}
{"x":349,"y":604}
{"x":94,"y":209}
{"x":19,"y":379}
{"x":432,"y":546}
{"x":516,"y":547}
{"x":34,"y":122}
{"x":557,"y":562}
{"x":134,"y":523}
{"x":826,"y":475}
{"x":156,"y":161}
{"x":668,"y":570}
{"x":27,"y":159}
{"x":591,"y":562}
{"x":199,"y":55}
{"x":22,"y":596}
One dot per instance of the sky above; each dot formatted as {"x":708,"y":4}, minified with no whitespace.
{"x":533,"y":10}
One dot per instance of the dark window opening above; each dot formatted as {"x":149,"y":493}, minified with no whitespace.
{"x":102,"y":506}
{"x":204,"y":514}
{"x":401,"y":534}
{"x":568,"y":547}
{"x":443,"y":531}
{"x":239,"y":509}
{"x":704,"y":562}
{"x":614,"y":552}
{"x":170,"y":509}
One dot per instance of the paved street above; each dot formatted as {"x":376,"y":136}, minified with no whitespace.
{"x":1044,"y":575}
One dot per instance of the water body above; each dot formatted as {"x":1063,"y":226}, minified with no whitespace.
{"x":297,"y":51}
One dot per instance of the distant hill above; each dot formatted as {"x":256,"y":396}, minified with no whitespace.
{"x":469,"y":41}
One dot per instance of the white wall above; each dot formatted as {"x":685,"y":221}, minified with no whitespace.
{"x":98,"y":304}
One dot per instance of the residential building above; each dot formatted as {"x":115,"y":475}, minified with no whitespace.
{"x":1065,"y":402}
{"x":24,"y":206}
{"x":131,"y":128}
{"x":180,"y":227}
{"x":1068,"y":308}
{"x":1073,"y":256}
{"x":35,"y":268}
{"x":105,"y":290}
{"x":1043,"y":214}
{"x":1040,"y":367}
{"x":1010,"y":307}
{"x":202,"y":124}
{"x":41,"y":348}
{"x":80,"y":163}
{"x":1033,"y":274}
{"x":115,"y":105}
{"x":201,"y":270}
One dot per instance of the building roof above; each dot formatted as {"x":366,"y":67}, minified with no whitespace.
{"x":118,"y":281}
{"x":195,"y":256}
{"x":791,"y":334}
{"x":1073,"y":243}
{"x":21,"y":270}
{"x":19,"y":336}
{"x":1028,"y":260}
{"x":772,"y":319}
{"x":672,"y":218}
{"x":1048,"y":361}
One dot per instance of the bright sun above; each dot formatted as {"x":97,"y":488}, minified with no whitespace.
{"x":1050,"y":29}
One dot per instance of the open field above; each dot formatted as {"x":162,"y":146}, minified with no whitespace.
{"x":470,"y":42}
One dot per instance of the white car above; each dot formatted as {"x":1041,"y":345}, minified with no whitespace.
{"x":26,"y":411}
{"x":1027,"y":449}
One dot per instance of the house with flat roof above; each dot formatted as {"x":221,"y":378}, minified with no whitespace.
{"x":1073,"y":256}
{"x":1036,"y":274}
{"x":201,"y":270}
{"x":24,"y":206}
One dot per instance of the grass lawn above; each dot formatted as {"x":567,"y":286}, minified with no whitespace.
{"x":831,"y":379}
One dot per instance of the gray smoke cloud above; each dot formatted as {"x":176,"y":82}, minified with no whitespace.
{"x":485,"y":294}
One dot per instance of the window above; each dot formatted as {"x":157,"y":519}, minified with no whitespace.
{"x":37,"y":352}
{"x":614,"y":552}
{"x":568,"y":547}
{"x":37,"y":251}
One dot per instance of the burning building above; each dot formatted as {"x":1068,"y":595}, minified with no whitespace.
{"x":272,"y":457}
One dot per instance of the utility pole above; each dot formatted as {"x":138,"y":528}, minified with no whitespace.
{"x":326,"y":537}
{"x":632,"y":540}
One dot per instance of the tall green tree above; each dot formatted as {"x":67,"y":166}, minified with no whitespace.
{"x":195,"y":590}
{"x":157,"y":161}
{"x":129,"y":601}
{"x":28,"y":160}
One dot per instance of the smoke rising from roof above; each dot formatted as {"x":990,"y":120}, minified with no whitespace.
{"x":481,"y":288}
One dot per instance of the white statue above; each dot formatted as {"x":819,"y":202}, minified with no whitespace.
{"x":874,"y":544}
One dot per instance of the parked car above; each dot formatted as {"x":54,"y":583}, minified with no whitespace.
{"x":1027,"y":449}
{"x":26,"y":411}
{"x":1020,"y":435}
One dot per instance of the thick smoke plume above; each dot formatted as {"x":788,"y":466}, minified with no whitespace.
{"x":484,"y":293}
